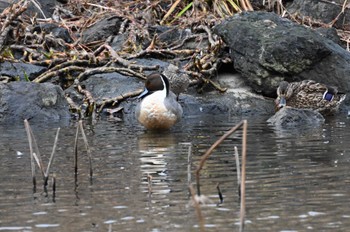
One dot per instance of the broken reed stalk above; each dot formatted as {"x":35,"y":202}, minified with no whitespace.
{"x":189,"y":158}
{"x":51,"y":157}
{"x":36,"y":155}
{"x":54,"y":187}
{"x":197,"y":208}
{"x":244,"y":157}
{"x":149,"y":180}
{"x":238,"y":168}
{"x":81,"y":128}
{"x":210,"y":150}
{"x":34,"y":152}
{"x":76,"y":151}
{"x":86,"y":146}
{"x":32,"y":164}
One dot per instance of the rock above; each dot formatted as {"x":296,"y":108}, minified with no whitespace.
{"x":55,"y":30}
{"x":330,"y":33}
{"x":32,"y":101}
{"x":291,"y":117}
{"x":175,"y":35}
{"x":106,"y":86}
{"x":20,"y":71}
{"x":267,"y":49}
{"x":102,"y":29}
{"x":45,"y":7}
{"x":322,"y":11}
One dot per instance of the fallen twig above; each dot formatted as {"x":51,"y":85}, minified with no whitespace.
{"x":47,"y":75}
{"x":11,"y":13}
{"x":90,"y":108}
{"x":127,"y":71}
{"x":163,"y":52}
{"x":115,"y":100}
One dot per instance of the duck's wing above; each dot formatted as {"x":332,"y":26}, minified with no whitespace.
{"x":306,"y":94}
{"x":172,"y":105}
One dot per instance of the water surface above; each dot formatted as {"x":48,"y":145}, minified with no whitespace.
{"x":297,"y":180}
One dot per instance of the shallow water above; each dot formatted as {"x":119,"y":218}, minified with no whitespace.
{"x":297,"y":180}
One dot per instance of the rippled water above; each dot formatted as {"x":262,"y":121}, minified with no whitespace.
{"x":297,"y":180}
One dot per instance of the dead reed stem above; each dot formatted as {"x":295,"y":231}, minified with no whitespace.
{"x":51,"y":157}
{"x":76,"y":151}
{"x":34,"y":152}
{"x":243,"y":124}
{"x":197,"y":208}
{"x":81,"y":128}
{"x":149,"y":180}
{"x":36,"y":156}
{"x":238,"y":168}
{"x":86,"y":146}
{"x":189,"y":158}
{"x":210,"y":150}
{"x":244,"y":156}
{"x":32,"y":164}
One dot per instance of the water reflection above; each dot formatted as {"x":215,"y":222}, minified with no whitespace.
{"x":297,"y":180}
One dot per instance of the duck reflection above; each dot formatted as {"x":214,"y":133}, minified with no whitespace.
{"x":155,"y":150}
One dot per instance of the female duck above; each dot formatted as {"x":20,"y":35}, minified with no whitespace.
{"x":310,"y":95}
{"x":158,"y":109}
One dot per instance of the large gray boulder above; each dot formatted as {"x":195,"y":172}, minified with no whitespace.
{"x":267,"y":49}
{"x":32,"y":101}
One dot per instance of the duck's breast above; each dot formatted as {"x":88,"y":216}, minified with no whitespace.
{"x":154,"y":113}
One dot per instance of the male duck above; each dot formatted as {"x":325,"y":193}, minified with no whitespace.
{"x":158,"y":109}
{"x":309,"y":94}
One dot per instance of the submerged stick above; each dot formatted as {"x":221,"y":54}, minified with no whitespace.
{"x":244,"y":155}
{"x":220,"y":193}
{"x":54,"y":187}
{"x":210,"y":150}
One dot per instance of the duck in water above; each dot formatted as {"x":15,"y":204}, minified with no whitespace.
{"x":158,"y":109}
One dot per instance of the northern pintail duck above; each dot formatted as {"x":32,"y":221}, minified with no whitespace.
{"x":309,"y":94}
{"x":158,"y":109}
